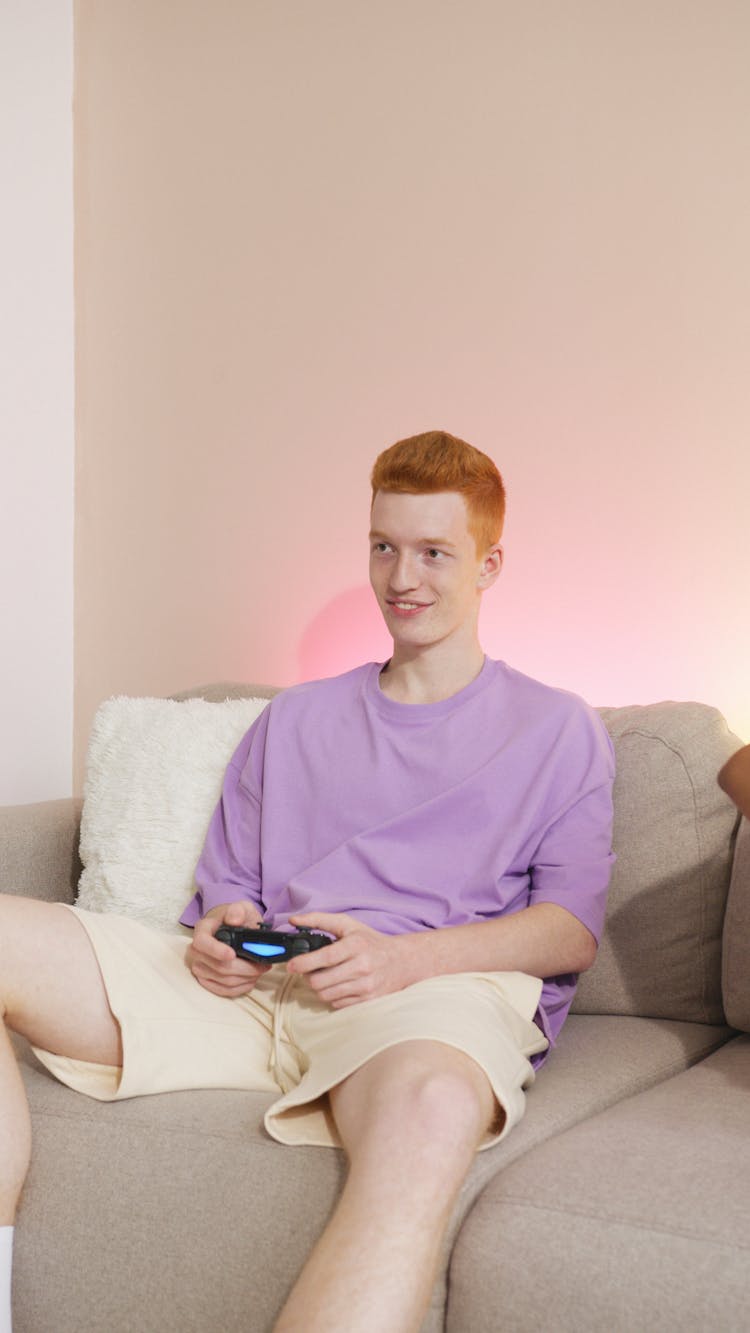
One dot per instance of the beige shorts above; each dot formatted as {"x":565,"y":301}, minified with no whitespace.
{"x":282,"y":1039}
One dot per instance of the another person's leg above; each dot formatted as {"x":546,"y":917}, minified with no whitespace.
{"x":410,"y":1120}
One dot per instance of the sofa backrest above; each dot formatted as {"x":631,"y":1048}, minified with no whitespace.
{"x":229,"y":689}
{"x":674,"y":833}
{"x":736,"y":953}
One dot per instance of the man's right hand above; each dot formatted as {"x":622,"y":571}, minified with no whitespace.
{"x":216,"y":965}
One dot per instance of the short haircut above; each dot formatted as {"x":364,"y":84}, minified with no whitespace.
{"x":437,"y":461}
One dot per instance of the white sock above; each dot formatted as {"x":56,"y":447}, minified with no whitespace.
{"x":6,"y":1259}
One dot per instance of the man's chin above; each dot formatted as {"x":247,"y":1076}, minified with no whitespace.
{"x":412,"y":636}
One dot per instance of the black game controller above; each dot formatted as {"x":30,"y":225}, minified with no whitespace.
{"x":259,"y":944}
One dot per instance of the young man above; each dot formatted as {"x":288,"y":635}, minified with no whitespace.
{"x":447,"y":821}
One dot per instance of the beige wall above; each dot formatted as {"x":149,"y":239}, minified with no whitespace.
{"x":36,"y":400}
{"x":305,"y":230}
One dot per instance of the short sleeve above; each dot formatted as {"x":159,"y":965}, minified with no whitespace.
{"x":573,"y":862}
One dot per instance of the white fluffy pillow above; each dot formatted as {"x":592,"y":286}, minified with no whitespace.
{"x":154,"y":773}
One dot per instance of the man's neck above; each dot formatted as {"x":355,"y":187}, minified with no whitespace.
{"x":426,"y":678}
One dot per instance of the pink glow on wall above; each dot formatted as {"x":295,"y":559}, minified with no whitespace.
{"x":591,"y":646}
{"x":347,"y":631}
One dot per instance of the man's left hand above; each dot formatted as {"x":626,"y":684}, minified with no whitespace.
{"x":359,"y":964}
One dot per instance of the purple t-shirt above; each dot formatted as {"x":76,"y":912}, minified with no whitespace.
{"x":415,"y":816}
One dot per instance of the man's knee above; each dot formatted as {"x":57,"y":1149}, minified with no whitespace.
{"x":448,"y":1098}
{"x":426,"y":1092}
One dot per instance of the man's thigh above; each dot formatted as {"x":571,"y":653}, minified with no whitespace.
{"x":51,"y":986}
{"x":175,"y":1034}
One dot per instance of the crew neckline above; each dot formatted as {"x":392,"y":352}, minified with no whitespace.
{"x":423,"y":712}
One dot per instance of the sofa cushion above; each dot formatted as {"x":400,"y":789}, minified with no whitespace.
{"x":638,"y":1218}
{"x":189,"y":1184}
{"x":154,"y":773}
{"x":673,"y":836}
{"x":736,"y":954}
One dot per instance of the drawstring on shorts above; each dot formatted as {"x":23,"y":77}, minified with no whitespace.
{"x":274,"y":1062}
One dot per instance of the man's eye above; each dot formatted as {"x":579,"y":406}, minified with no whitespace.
{"x":380,"y":547}
{"x":434,"y":553}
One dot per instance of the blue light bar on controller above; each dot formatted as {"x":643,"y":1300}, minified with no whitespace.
{"x":265,"y":950}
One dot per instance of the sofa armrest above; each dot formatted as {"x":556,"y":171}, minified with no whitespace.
{"x":39,"y":850}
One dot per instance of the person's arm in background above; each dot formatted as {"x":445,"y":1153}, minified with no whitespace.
{"x":734,"y":779}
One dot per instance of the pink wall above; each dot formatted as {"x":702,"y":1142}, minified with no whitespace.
{"x":306,"y":230}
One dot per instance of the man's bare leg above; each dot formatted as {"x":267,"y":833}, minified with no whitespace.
{"x":410,"y":1120}
{"x":52,"y":993}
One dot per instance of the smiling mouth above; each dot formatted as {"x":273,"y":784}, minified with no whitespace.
{"x":403,"y":606}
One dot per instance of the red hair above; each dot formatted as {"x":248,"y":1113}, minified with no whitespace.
{"x":437,"y":461}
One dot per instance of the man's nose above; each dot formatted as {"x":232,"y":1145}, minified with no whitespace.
{"x":404,"y":574}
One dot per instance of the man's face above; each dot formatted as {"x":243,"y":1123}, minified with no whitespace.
{"x":424,"y":567}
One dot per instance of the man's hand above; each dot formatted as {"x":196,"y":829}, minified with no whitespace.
{"x":360,"y":964}
{"x":216,"y":965}
{"x":543,"y":940}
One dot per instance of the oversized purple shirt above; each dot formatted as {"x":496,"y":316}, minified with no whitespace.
{"x":416,"y":816}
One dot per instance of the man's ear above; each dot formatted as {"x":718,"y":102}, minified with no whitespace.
{"x":491,"y":566}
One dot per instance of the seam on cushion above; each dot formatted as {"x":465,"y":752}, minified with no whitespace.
{"x":654,"y":736}
{"x":600,"y":1215}
{"x":171,"y":1131}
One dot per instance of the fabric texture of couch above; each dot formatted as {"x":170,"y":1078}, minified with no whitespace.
{"x":620,"y":1202}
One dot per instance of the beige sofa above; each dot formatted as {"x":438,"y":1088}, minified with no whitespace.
{"x":621,"y":1201}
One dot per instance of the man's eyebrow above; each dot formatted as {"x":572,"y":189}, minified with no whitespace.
{"x":421,"y":541}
